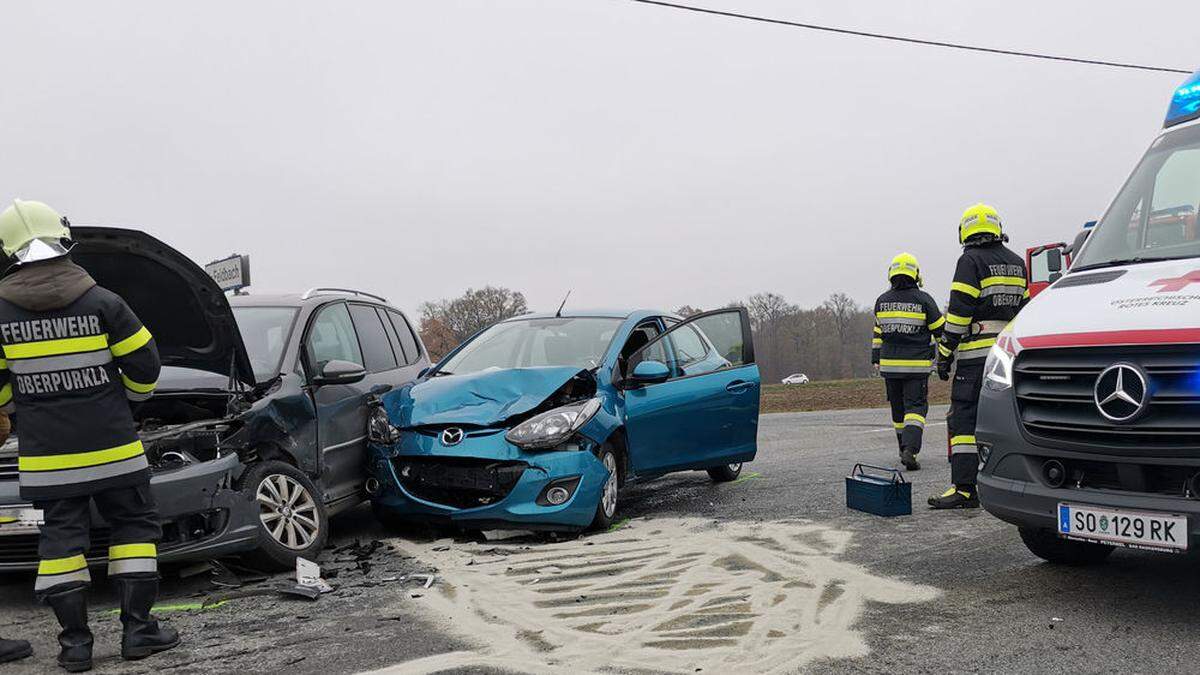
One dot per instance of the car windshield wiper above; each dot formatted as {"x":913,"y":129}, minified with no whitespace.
{"x":1129,"y":261}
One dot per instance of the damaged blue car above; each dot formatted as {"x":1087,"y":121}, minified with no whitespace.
{"x":538,"y":421}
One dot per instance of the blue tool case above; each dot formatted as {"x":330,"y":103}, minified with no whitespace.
{"x":883,"y":492}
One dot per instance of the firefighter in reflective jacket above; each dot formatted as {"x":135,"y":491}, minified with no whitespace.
{"x":74,"y":357}
{"x":988,"y":290}
{"x":907,"y":321}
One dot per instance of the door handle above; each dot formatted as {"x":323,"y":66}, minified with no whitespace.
{"x":738,"y":386}
{"x":380,"y":389}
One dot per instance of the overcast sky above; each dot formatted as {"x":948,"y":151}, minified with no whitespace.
{"x":638,"y":155}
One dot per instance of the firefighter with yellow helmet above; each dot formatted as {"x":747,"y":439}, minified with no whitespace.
{"x":907,"y":321}
{"x":74,"y":357}
{"x":988,"y":290}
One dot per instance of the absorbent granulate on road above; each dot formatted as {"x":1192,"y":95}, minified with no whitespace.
{"x":670,"y":595}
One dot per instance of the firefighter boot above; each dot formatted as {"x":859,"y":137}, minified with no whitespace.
{"x":957,"y":497}
{"x":75,"y":639}
{"x":14,"y":650}
{"x":908,"y":457}
{"x":142,"y":635}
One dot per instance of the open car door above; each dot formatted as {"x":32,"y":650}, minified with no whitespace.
{"x":692,"y":395}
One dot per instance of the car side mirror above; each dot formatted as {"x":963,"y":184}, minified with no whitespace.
{"x":340,"y":372}
{"x":649,"y":372}
{"x":1054,"y":260}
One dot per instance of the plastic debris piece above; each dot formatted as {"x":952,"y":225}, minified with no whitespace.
{"x":308,"y":575}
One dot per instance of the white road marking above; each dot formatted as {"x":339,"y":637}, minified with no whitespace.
{"x":876,"y":431}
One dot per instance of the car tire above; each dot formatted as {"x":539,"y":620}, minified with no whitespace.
{"x":606,"y":508}
{"x":1047,"y":545}
{"x":725,"y":473}
{"x":292,"y":518}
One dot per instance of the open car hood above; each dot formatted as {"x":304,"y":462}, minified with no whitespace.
{"x":482,"y":399}
{"x":174,"y":297}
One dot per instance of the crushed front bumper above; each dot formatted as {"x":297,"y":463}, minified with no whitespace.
{"x":486,"y":482}
{"x":202,"y":516}
{"x":1012,"y":486}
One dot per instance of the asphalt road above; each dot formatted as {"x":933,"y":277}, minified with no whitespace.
{"x":998,"y":609}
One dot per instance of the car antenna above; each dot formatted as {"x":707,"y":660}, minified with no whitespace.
{"x":558,"y":314}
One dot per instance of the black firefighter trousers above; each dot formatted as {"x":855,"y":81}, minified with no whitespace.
{"x":964,"y":409}
{"x":909,"y":398}
{"x":66,"y":537}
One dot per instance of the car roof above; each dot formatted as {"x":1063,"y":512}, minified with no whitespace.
{"x":595,"y":313}
{"x":296,"y":299}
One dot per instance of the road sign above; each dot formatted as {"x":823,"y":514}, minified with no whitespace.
{"x":232,"y":273}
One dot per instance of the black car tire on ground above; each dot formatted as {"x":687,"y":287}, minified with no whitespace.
{"x":1047,"y":545}
{"x":606,"y":508}
{"x":300,"y":518}
{"x":725,"y":473}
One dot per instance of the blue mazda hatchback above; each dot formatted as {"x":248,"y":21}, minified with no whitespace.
{"x":537,"y":422}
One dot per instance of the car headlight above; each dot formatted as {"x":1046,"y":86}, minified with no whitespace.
{"x":379,"y":428}
{"x":998,"y":368}
{"x":553,"y":426}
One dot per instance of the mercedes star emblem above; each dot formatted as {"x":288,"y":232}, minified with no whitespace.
{"x":1121,"y":392}
{"x":452,"y":436}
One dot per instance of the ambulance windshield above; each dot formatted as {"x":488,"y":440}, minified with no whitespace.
{"x":1154,"y":216}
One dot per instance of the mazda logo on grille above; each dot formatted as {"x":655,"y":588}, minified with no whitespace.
{"x":1121,"y":392}
{"x":452,"y":436}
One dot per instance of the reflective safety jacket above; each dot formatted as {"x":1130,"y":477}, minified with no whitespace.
{"x":907,"y":321}
{"x":989,"y":289}
{"x":74,"y":356}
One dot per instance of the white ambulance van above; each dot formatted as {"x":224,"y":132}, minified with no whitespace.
{"x":1089,"y":423}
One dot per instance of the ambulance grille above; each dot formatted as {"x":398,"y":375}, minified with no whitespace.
{"x":1055,"y":397}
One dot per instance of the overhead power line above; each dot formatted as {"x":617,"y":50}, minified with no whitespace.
{"x":911,"y":40}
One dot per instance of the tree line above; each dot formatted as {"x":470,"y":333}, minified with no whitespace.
{"x":829,"y":341}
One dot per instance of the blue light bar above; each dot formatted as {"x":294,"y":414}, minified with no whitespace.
{"x":1185,"y":104}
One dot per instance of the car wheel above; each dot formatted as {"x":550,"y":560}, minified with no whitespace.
{"x":292,"y":520}
{"x":606,"y":509}
{"x":1048,"y":546}
{"x":725,"y":472}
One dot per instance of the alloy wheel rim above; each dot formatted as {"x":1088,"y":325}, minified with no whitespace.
{"x":610,"y":486}
{"x":287,"y":511}
{"x":736,"y":467}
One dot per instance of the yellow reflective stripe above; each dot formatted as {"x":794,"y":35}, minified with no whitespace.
{"x":944,"y":350}
{"x":976,"y":344}
{"x":132,"y":343}
{"x":62,"y":565}
{"x":1026,"y":296}
{"x":914,"y":416}
{"x":878,"y":330}
{"x":900,"y":315}
{"x":80,"y":460}
{"x":962,"y":440}
{"x":33,"y":350}
{"x":6,"y":394}
{"x":937,"y":324}
{"x":119,"y":551}
{"x":876,"y":342}
{"x":138,"y":387}
{"x":958,"y":320}
{"x":898,"y":425}
{"x":1002,"y":281}
{"x":964,"y":288}
{"x":3,"y":364}
{"x":904,"y":362}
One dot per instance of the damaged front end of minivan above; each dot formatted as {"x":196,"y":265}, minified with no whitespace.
{"x":512,"y":447}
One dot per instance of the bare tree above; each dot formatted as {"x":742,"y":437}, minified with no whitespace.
{"x":446,"y":323}
{"x":687,"y":311}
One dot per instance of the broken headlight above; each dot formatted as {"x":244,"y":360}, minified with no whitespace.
{"x":379,"y":428}
{"x":553,"y":426}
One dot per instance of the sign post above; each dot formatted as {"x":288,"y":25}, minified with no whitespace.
{"x":232,"y":273}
